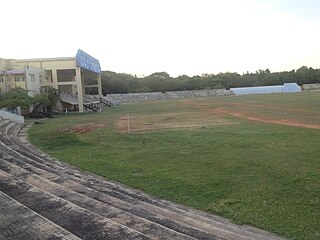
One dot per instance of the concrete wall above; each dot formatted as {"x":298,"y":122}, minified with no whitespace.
{"x":155,"y":96}
{"x":311,"y":87}
{"x":7,"y":64}
{"x":20,"y":84}
{"x":49,"y":63}
{"x":11,"y":116}
{"x":35,"y":77}
{"x":2,"y":84}
{"x":29,"y":78}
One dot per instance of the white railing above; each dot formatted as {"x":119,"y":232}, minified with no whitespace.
{"x":11,"y":116}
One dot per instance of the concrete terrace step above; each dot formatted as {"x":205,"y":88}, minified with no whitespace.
{"x":14,"y":129}
{"x":4,"y":124}
{"x":9,"y":128}
{"x":16,"y":156}
{"x":162,"y":216}
{"x":3,"y":121}
{"x":103,"y":204}
{"x":15,"y":218}
{"x":107,"y":198}
{"x":81,"y":222}
{"x":142,"y":225}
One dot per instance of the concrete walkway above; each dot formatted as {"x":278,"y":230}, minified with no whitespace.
{"x":42,"y":198}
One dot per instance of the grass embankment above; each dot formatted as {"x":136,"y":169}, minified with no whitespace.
{"x":258,"y":174}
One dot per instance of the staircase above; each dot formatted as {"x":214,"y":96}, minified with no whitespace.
{"x":90,"y":103}
{"x":109,"y":102}
{"x":42,"y":198}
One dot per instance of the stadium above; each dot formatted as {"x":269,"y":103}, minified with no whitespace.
{"x":227,"y":163}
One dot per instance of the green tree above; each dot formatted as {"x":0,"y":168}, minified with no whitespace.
{"x":16,"y":97}
{"x":44,"y":102}
{"x":159,"y":82}
{"x":118,"y":82}
{"x":302,"y":75}
{"x":53,"y":95}
{"x":160,"y":75}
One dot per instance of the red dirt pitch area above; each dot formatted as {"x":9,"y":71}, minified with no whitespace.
{"x":191,"y":113}
{"x":286,"y":113}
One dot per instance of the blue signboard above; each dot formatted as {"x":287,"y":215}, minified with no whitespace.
{"x":85,"y":61}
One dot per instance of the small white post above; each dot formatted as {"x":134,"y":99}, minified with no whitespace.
{"x":128,"y":117}
{"x":202,"y":118}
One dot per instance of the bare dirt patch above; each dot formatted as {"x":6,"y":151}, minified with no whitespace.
{"x":249,"y":116}
{"x":286,"y":122}
{"x":83,"y":128}
{"x":265,"y":106}
{"x":182,"y":120}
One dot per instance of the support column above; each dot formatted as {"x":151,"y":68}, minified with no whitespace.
{"x":54,"y":78}
{"x":79,"y":89}
{"x":82,"y":83}
{"x":74,"y":90}
{"x":99,"y":85}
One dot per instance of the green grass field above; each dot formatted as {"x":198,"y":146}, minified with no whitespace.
{"x":256,"y":161}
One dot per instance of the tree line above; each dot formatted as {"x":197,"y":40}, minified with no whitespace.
{"x":113,"y":82}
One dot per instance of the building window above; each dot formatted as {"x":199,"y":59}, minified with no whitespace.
{"x":1,"y":80}
{"x":32,"y":77}
{"x":41,"y":78}
{"x":19,"y":78}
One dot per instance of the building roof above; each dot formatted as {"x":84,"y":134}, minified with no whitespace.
{"x":46,"y":59}
{"x":15,"y":71}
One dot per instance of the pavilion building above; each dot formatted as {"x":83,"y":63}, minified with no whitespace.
{"x":74,"y":77}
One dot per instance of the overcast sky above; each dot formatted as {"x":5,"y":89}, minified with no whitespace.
{"x":177,"y":36}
